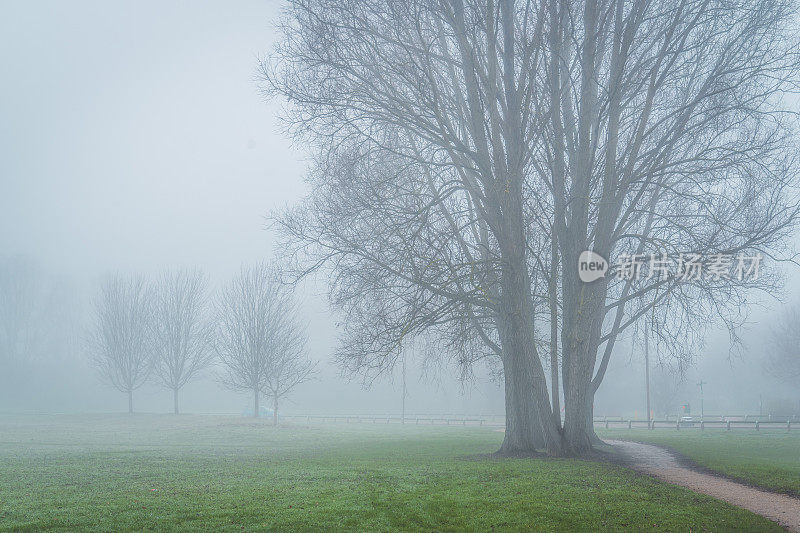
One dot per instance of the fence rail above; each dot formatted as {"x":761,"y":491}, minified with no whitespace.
{"x":711,"y":417}
{"x":728,"y":424}
{"x":408,"y":419}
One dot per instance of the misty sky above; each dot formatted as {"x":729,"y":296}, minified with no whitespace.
{"x":134,"y":138}
{"x":134,"y":135}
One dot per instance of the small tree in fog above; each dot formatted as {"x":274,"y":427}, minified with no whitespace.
{"x":783,"y":360}
{"x":260,"y":340}
{"x":181,"y":329}
{"x":30,"y":302}
{"x":287,"y":367}
{"x":120,"y":341}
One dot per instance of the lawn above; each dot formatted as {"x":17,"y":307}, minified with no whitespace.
{"x":151,"y":472}
{"x":769,"y":459}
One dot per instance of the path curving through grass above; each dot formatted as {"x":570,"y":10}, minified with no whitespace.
{"x":662,"y":464}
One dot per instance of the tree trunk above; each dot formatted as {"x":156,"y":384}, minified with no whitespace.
{"x":594,"y":440}
{"x":130,"y":401}
{"x":255,"y":402}
{"x":551,"y":290}
{"x":529,"y":419}
{"x":523,"y":428}
{"x":175,"y":399}
{"x":527,"y":398}
{"x":583,"y":312}
{"x":275,"y":411}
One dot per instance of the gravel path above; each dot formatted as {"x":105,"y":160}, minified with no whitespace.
{"x":658,"y":462}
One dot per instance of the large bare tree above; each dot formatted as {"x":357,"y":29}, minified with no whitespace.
{"x":468,"y":152}
{"x":120,"y":342}
{"x":260,"y":339}
{"x":182,"y":330}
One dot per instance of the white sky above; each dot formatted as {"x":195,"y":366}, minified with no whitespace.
{"x":134,"y":135}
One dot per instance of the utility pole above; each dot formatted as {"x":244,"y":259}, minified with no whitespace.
{"x":702,"y":413}
{"x":647,"y":373}
{"x":403,"y":415}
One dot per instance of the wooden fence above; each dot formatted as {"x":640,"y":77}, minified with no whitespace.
{"x":463,"y":420}
{"x":728,"y":423}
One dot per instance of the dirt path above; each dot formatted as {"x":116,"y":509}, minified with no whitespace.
{"x":660,"y":463}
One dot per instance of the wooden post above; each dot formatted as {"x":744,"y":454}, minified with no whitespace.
{"x":647,"y":371}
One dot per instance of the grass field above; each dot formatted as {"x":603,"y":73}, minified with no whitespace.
{"x":769,"y":459}
{"x":150,"y":472}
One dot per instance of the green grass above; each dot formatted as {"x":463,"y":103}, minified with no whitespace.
{"x":769,"y":459}
{"x":215,"y":473}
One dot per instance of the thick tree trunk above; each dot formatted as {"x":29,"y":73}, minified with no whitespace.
{"x":255,"y":402}
{"x":529,"y":419}
{"x":130,"y":402}
{"x":576,"y":415}
{"x":583,"y":311}
{"x":523,"y":428}
{"x":275,"y":411}
{"x":593,"y":438}
{"x":175,"y":399}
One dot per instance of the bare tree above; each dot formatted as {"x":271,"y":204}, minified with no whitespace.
{"x":468,"y":152}
{"x":120,"y":342}
{"x":260,"y":340}
{"x":783,"y":360}
{"x":182,"y":331}
{"x":288,"y":366}
{"x":23,"y":310}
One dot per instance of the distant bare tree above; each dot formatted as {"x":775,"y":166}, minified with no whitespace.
{"x":783,"y":360}
{"x":469,"y":150}
{"x":24,"y":325}
{"x":120,"y":342}
{"x":182,"y":331}
{"x":260,"y":340}
{"x":288,"y":367}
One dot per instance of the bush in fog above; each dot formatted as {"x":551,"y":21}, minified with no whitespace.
{"x":260,"y":339}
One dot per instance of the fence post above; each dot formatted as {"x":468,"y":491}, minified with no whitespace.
{"x":757,"y":425}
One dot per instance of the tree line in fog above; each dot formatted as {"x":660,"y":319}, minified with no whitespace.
{"x":167,"y":330}
{"x":173,"y":328}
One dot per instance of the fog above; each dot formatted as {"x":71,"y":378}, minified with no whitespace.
{"x":134,"y":142}
{"x":136,"y":138}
